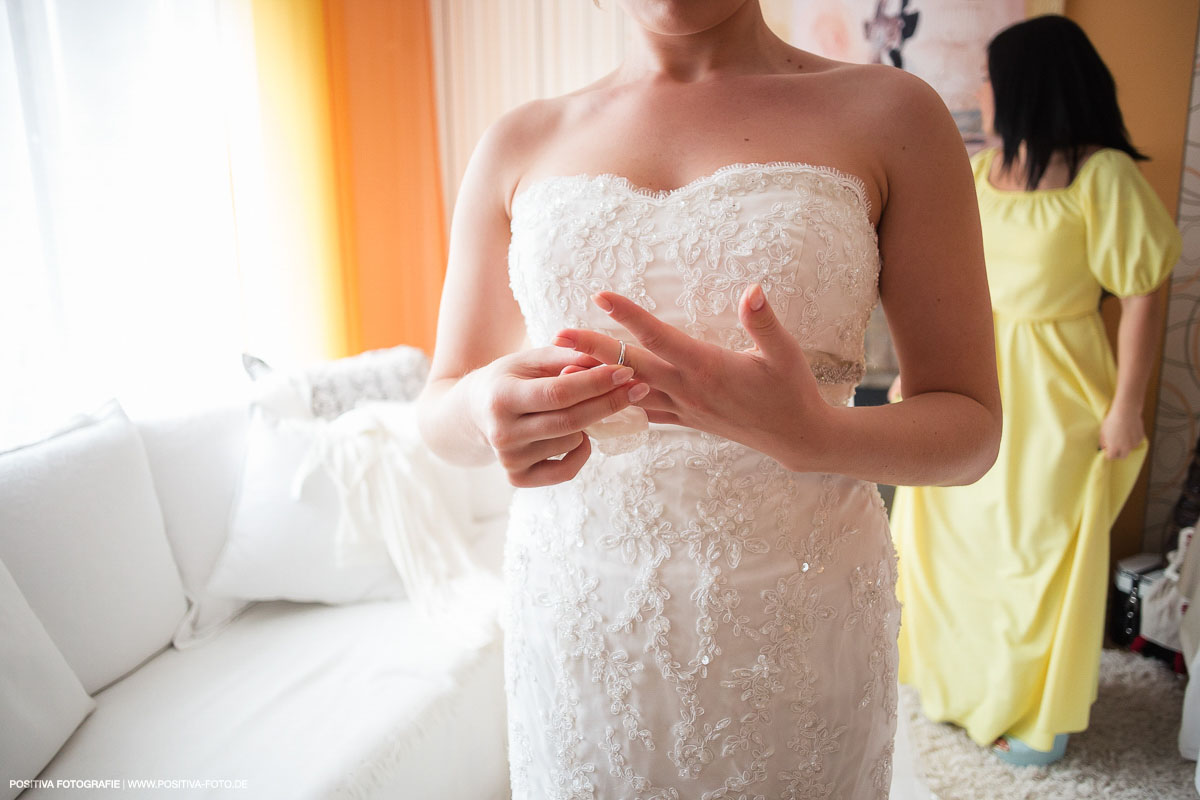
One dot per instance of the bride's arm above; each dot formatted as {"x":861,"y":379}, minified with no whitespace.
{"x":946,"y":430}
{"x":486,"y":398}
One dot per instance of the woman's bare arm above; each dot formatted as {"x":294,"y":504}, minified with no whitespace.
{"x":1138,"y":335}
{"x":486,"y":398}
{"x":946,"y":430}
{"x":475,"y":299}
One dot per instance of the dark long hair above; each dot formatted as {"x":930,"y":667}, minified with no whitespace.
{"x":1052,"y":92}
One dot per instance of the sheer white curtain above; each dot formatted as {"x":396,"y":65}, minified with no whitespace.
{"x":493,"y":55}
{"x":119,"y":269}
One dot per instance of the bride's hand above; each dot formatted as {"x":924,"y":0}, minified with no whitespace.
{"x":765,"y":397}
{"x":532,"y":407}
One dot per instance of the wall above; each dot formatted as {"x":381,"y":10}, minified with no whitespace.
{"x":493,"y":55}
{"x":1150,"y":49}
{"x":1179,"y":392}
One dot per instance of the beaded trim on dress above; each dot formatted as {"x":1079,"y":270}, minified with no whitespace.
{"x":852,"y":182}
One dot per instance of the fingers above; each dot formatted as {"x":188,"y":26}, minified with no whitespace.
{"x":670,"y":343}
{"x":519,"y":459}
{"x":545,"y":473}
{"x":511,"y":434}
{"x":645,"y":364}
{"x":759,"y":320}
{"x":565,"y":421}
{"x":529,"y":449}
{"x":1115,"y":452}
{"x":543,"y":362}
{"x":656,"y":400}
{"x":1116,"y":447}
{"x":568,"y":388}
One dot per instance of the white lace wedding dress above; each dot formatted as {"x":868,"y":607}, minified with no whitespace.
{"x":687,"y":619}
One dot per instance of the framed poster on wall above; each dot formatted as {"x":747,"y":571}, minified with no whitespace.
{"x":941,"y":41}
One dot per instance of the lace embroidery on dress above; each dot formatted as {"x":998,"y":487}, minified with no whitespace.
{"x":672,"y":611}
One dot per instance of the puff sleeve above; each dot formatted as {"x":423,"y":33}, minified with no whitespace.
{"x":1132,"y":242}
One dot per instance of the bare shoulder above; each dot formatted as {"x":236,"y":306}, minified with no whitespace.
{"x":900,"y":120}
{"x":510,"y":144}
{"x":896,"y":105}
{"x":879,"y":120}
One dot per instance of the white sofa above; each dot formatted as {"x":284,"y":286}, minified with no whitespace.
{"x":109,"y":531}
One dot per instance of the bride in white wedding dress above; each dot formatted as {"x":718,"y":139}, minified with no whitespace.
{"x":703,"y":606}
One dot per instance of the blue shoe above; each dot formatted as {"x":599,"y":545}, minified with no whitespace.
{"x":1020,"y":754}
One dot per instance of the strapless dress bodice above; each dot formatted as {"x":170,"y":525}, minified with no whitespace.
{"x":803,"y":232}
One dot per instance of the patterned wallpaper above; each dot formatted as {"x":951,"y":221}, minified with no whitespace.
{"x":1178,"y":416}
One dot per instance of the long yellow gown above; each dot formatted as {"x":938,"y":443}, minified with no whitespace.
{"x":1003,"y":582}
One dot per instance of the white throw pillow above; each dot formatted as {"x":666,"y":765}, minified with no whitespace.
{"x":41,"y":700}
{"x":82,"y":533}
{"x":196,"y":458}
{"x":282,"y":544}
{"x":346,"y":510}
{"x":315,"y":447}
{"x":330,"y":388}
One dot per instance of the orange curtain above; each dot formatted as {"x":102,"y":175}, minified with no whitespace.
{"x":349,"y":118}
{"x":285,"y":183}
{"x":386,"y":147}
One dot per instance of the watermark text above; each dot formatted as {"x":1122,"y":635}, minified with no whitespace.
{"x":192,"y":784}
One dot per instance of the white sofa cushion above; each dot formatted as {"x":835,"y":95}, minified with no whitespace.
{"x":328,"y":389}
{"x":41,"y":700}
{"x":309,"y":701}
{"x":283,"y":547}
{"x":344,"y":510}
{"x":196,"y":459}
{"x":82,"y":533}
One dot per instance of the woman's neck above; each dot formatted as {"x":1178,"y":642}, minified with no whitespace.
{"x":737,"y":45}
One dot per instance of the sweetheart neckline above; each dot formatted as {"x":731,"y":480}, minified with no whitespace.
{"x":856,"y":184}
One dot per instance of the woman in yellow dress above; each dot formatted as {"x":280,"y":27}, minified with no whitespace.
{"x":1003,"y":582}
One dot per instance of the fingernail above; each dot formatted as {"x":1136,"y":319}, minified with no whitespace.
{"x":622,"y":375}
{"x":602,"y":301}
{"x":757,"y":298}
{"x":638,"y":392}
{"x":563,"y":341}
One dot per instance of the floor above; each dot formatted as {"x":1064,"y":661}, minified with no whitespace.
{"x":1128,"y":752}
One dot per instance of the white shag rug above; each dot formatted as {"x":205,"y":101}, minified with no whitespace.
{"x":1128,"y":752}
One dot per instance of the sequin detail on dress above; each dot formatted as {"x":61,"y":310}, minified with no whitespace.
{"x":686,"y":618}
